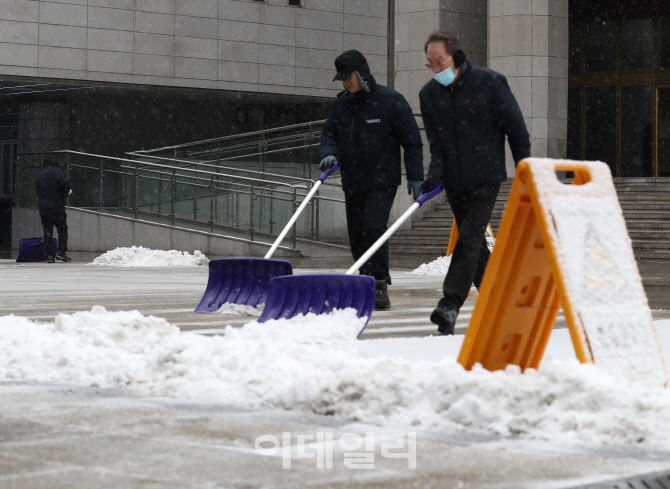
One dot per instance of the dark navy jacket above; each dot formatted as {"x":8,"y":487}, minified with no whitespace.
{"x":466,"y":124}
{"x":365,"y":130}
{"x":52,"y":188}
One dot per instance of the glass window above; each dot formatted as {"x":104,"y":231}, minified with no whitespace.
{"x":636,"y":44}
{"x":664,"y":132}
{"x":664,"y":43}
{"x":600,"y":45}
{"x":576,"y":45}
{"x":574,"y":149}
{"x":600,"y":125}
{"x":637,"y":128}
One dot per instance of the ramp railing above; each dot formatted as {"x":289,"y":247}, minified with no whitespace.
{"x":291,"y":150}
{"x":250,"y":202}
{"x":279,"y":153}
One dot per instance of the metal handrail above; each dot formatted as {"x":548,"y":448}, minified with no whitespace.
{"x":196,"y":180}
{"x":227,"y":138}
{"x":237,"y":156}
{"x":114,"y":158}
{"x":154,"y":188}
{"x":229,"y":148}
{"x":207,"y":164}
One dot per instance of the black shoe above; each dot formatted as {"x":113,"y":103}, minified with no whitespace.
{"x":382,"y":300}
{"x":62,"y":257}
{"x":50,"y":259}
{"x":445,"y":318}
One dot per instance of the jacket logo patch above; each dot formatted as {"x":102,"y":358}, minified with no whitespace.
{"x":373,"y":121}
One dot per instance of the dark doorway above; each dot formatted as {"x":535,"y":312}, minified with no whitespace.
{"x":619,"y":61}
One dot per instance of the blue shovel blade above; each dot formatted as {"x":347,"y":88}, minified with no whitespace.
{"x":240,"y":281}
{"x":32,"y":249}
{"x":300,"y":294}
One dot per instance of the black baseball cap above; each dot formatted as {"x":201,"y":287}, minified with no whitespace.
{"x":348,"y":62}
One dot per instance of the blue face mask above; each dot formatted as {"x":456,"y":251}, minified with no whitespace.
{"x":445,"y":77}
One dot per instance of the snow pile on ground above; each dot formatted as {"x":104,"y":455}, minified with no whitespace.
{"x":314,"y":364}
{"x":138,"y":256}
{"x":438,"y":266}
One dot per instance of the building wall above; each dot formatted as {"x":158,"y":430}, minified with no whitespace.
{"x":99,"y":233}
{"x":245,"y":45}
{"x":528,"y":43}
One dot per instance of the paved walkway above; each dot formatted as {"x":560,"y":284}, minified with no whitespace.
{"x":58,"y":436}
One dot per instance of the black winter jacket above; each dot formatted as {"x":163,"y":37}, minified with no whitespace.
{"x":365,"y":130}
{"x":52,"y":188}
{"x":466,"y":124}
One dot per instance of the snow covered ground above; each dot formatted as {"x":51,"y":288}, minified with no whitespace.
{"x":314,"y":364}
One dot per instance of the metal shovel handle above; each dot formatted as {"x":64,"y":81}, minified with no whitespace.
{"x":304,"y":203}
{"x":423,"y":198}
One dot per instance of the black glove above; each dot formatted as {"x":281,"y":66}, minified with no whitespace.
{"x":430,"y":182}
{"x":413,"y":188}
{"x":327,"y":163}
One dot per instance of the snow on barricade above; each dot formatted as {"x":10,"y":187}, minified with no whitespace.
{"x":138,"y":256}
{"x":313,"y":364}
{"x":599,"y":273}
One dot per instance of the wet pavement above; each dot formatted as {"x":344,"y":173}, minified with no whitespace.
{"x":62,"y":436}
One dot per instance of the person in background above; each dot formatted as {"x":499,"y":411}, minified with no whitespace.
{"x":467,"y":113}
{"x":366,"y":126}
{"x":52,"y":188}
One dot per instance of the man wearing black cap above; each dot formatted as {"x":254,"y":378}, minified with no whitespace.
{"x":52,"y":188}
{"x":366,"y":126}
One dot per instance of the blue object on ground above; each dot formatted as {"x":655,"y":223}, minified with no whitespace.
{"x":240,"y":281}
{"x":32,"y":249}
{"x":319,"y":294}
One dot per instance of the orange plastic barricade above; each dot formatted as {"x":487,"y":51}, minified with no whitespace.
{"x":564,"y":245}
{"x":453,"y":237}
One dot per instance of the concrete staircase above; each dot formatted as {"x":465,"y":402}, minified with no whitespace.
{"x":645,"y":203}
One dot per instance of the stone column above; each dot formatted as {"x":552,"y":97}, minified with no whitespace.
{"x":528,"y":43}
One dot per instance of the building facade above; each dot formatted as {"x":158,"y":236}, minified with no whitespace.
{"x":110,"y":76}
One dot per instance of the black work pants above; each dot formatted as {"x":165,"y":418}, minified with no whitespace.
{"x":468,"y":262}
{"x":367,"y":217}
{"x":58,"y":220}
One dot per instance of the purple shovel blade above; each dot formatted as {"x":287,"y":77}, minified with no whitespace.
{"x":299,"y":294}
{"x":32,"y":249}
{"x":240,"y":281}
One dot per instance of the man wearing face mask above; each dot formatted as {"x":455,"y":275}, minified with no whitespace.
{"x":467,"y":112}
{"x":366,"y":126}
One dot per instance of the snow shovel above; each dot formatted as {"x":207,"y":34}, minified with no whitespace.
{"x":243,"y":281}
{"x":292,"y":295}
